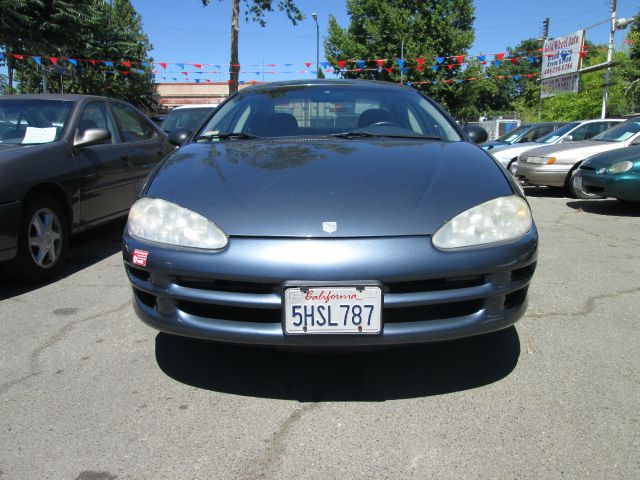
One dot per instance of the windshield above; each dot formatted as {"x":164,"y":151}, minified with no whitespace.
{"x":323,"y":110}
{"x":26,"y":122}
{"x":512,"y":135}
{"x":552,"y":137}
{"x":187,"y":118}
{"x":621,"y":132}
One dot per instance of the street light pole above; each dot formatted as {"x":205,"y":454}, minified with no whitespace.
{"x":315,"y":19}
{"x":607,"y":75}
{"x":401,"y":58}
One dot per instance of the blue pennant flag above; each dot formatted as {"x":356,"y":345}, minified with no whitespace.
{"x":497,"y":63}
{"x":439,"y":60}
{"x":174,"y":79}
{"x":199,"y":73}
{"x":180,"y":66}
{"x":435,"y":82}
{"x":434,"y":68}
{"x":1,"y":56}
{"x":516,"y":77}
{"x":257,"y":74}
{"x":108,"y":64}
{"x":481,"y":58}
{"x":241,"y":82}
{"x":197,"y":80}
{"x":361,"y":63}
{"x":460,"y":80}
{"x":404,"y":70}
{"x":532,"y":59}
{"x":217,"y":67}
{"x":408,"y":84}
{"x":288,"y":64}
{"x":324,"y":65}
{"x":73,"y":61}
{"x":400,"y":62}
{"x":144,"y":64}
{"x":37,"y":60}
{"x":487,"y":76}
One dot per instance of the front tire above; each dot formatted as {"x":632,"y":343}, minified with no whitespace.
{"x":576,"y":190}
{"x":43,"y":240}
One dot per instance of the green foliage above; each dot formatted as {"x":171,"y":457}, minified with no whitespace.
{"x":632,"y":73}
{"x":256,"y":9}
{"x":3,"y":83}
{"x":82,"y":29}
{"x":378,"y":28}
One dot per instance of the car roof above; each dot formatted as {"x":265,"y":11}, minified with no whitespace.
{"x":50,"y":96}
{"x":325,"y":82}
{"x":196,"y":105}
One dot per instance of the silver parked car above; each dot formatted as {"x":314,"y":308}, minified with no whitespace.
{"x":554,"y":165}
{"x":571,"y":132}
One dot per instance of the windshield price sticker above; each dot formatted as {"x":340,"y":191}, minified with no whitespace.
{"x":333,"y":310}
{"x":39,"y":135}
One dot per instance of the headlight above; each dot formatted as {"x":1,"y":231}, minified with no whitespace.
{"x":620,"y":167}
{"x":498,"y":220}
{"x":542,"y":160}
{"x":165,"y":222}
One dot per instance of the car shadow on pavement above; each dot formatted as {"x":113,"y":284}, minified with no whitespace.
{"x":613,"y":208}
{"x":409,"y":372}
{"x":86,"y":249}
{"x":545,"y":192}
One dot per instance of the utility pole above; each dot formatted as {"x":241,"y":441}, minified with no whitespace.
{"x":545,"y":29}
{"x":401,"y":58}
{"x":315,"y":19}
{"x":43,"y":69}
{"x":607,"y":75}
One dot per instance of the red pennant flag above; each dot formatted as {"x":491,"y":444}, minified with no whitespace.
{"x":92,"y":62}
{"x":198,"y":65}
{"x":307,"y":64}
{"x":389,"y":70}
{"x":419,"y":69}
{"x":500,"y":77}
{"x":271,"y":65}
{"x":329,"y":70}
{"x":341,"y":63}
{"x":420,"y":61}
{"x":154,"y":71}
{"x":208,"y":81}
{"x":450,"y":66}
{"x":514,"y":61}
{"x":231,"y":82}
{"x":460,"y":58}
{"x":124,"y":73}
{"x":163,"y":65}
{"x":18,"y":57}
{"x":499,"y":56}
{"x":472,"y":78}
{"x":380,"y":62}
{"x":184,"y":73}
{"x":127,"y":64}
{"x":583,"y":54}
{"x":54,"y":60}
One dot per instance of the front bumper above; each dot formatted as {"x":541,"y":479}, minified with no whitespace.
{"x":625,"y":186}
{"x":236,"y":295}
{"x":9,"y":226}
{"x":536,"y":174}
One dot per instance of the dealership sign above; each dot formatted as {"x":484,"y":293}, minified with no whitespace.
{"x":561,"y":58}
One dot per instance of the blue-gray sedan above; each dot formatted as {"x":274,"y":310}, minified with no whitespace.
{"x":330,"y":213}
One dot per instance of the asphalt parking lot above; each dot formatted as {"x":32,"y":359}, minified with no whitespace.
{"x":87,"y":391}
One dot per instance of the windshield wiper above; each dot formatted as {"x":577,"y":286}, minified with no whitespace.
{"x":226,"y":136}
{"x":365,"y":134}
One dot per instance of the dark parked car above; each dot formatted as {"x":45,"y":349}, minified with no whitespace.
{"x":529,"y":132}
{"x":67,"y":163}
{"x":186,"y":119}
{"x":330,"y":213}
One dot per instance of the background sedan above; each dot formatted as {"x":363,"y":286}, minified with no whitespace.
{"x":67,"y":163}
{"x":611,"y":174}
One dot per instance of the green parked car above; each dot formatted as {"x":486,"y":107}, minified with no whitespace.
{"x":615,"y":173}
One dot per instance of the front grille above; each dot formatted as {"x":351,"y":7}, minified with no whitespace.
{"x":224,"y":285}
{"x":586,"y":167}
{"x":436,"y":285}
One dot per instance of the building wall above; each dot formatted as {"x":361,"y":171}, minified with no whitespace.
{"x":177,"y":94}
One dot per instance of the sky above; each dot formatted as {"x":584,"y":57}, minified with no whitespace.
{"x":182,"y":31}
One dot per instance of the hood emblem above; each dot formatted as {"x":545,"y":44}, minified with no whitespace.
{"x":329,"y":227}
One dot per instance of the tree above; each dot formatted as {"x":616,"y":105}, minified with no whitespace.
{"x":88,"y":30}
{"x":632,"y":91}
{"x":385,"y":29}
{"x":256,"y":10}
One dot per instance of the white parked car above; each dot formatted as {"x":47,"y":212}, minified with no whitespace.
{"x":571,"y":132}
{"x":187,"y":117}
{"x":555,"y":165}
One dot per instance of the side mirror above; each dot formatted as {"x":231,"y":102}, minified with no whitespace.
{"x":568,"y":138}
{"x":178,"y":136}
{"x":476,"y":133}
{"x":91,"y":136}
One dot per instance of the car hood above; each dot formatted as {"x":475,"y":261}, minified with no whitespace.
{"x":9,"y":151}
{"x":575,"y":151}
{"x":606,"y":159}
{"x":367,"y":187}
{"x":506,"y":153}
{"x":494,"y":144}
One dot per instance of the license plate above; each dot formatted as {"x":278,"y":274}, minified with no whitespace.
{"x":333,"y":310}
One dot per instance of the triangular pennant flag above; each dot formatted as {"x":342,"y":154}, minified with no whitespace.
{"x":307,"y":64}
{"x":481,"y":58}
{"x":408,"y":84}
{"x":53,"y":60}
{"x":439,"y":60}
{"x":231,"y":82}
{"x":530,"y":75}
{"x":208,"y":81}
{"x":108,"y":64}
{"x":460,"y":58}
{"x":1,"y":56}
{"x":180,"y":66}
{"x":435,"y":82}
{"x":514,"y":61}
{"x":531,"y":59}
{"x":389,"y":69}
{"x":17,"y":57}
{"x":291,"y":64}
{"x":419,"y":69}
{"x":163,"y":65}
{"x":380,"y":62}
{"x":125,"y":73}
{"x":144,"y":64}
{"x":328,"y":70}
{"x":126,"y":64}
{"x":72,"y":61}
{"x":460,"y":80}
{"x":184,"y":73}
{"x":198,"y":65}
{"x":516,"y":77}
{"x":499,"y":56}
{"x":37,"y":60}
{"x":420,"y":61}
{"x":197,"y":80}
{"x":404,"y":70}
{"x":92,"y":62}
{"x":400,"y":62}
{"x":324,"y":64}
{"x":434,"y":68}
{"x":451,"y":66}
{"x":361,"y":63}
{"x":497,"y":63}
{"x":342,"y":63}
{"x":500,"y":77}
